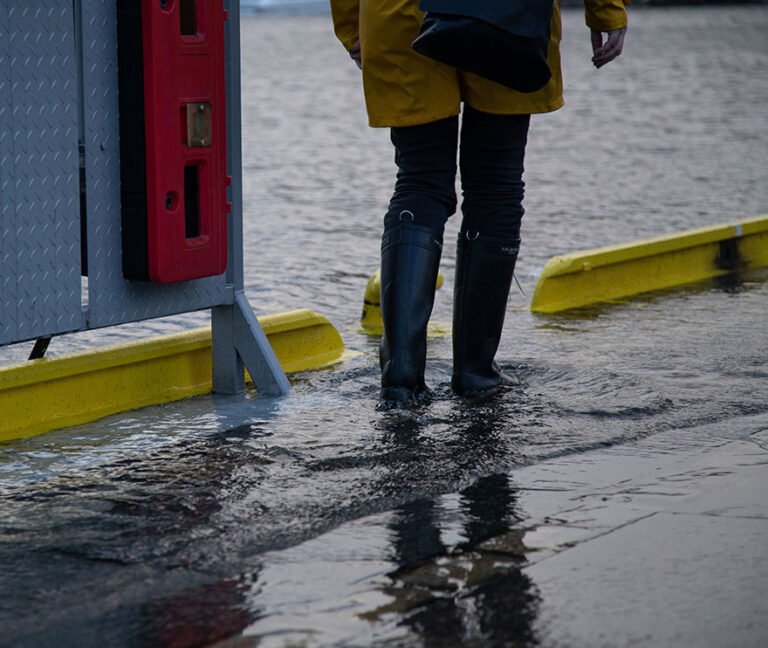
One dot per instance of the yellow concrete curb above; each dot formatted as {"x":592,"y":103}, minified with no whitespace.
{"x":619,"y":271}
{"x":48,"y":394}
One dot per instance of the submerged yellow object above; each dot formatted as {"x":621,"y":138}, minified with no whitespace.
{"x":370,"y":320}
{"x":619,"y":271}
{"x":47,"y":394}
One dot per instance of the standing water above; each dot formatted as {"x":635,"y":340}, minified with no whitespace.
{"x":180,"y":525}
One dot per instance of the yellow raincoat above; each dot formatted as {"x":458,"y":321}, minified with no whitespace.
{"x":403,"y":88}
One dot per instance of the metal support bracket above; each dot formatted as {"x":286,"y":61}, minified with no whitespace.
{"x":238,"y":343}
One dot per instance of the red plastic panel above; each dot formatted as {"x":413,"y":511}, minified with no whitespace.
{"x":185,"y":130}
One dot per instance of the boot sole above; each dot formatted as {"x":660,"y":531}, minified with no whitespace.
{"x":400,"y":397}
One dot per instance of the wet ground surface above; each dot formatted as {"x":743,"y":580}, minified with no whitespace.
{"x":656,"y":543}
{"x":627,"y":461}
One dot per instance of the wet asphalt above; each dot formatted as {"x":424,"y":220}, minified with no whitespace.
{"x":657,"y":543}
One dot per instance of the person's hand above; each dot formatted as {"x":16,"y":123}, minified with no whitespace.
{"x":356,"y":54}
{"x":613,"y":46}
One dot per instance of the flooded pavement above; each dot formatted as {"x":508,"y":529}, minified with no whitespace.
{"x":613,"y":498}
{"x":659,"y":543}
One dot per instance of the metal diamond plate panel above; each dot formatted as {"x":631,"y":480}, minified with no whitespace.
{"x":8,"y":314}
{"x":39,"y":203}
{"x":112,"y":299}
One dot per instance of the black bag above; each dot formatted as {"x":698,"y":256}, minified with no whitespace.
{"x":505,"y":41}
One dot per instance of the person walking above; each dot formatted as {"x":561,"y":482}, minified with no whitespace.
{"x":420,"y":101}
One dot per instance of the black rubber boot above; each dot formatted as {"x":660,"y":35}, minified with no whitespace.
{"x":484,"y":270}
{"x":410,"y":258}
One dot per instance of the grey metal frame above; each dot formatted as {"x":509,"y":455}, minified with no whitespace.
{"x":58,"y":90}
{"x":237,"y":337}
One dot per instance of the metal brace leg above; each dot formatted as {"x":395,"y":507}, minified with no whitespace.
{"x":238,"y":342}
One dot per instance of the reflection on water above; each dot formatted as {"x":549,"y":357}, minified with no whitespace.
{"x":471,"y":595}
{"x":185,"y":524}
{"x":435,"y":571}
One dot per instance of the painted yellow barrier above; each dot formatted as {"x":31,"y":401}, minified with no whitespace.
{"x":43,"y":395}
{"x":618,"y":271}
{"x":302,"y":340}
{"x":370,"y":320}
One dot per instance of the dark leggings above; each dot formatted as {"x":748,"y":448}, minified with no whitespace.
{"x":491,"y":162}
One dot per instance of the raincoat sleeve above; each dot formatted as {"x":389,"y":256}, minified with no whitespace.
{"x":346,"y":18}
{"x":606,"y":15}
